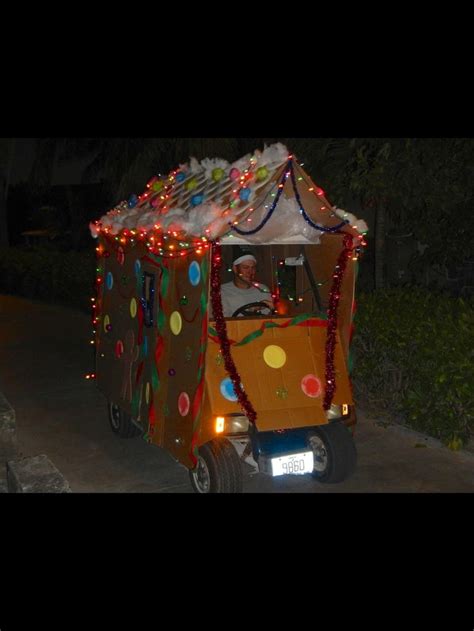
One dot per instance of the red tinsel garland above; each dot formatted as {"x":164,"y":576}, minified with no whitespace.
{"x":334,"y":298}
{"x":222,"y":333}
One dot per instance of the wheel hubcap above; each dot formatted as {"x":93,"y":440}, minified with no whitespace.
{"x":115,"y":415}
{"x":202,"y":477}
{"x":320,"y":453}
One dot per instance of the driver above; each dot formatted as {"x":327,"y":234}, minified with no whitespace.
{"x":243,"y":289}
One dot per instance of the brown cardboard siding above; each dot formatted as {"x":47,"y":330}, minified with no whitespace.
{"x":276,"y":393}
{"x":124,"y":380}
{"x":184,"y":351}
{"x":117,"y":377}
{"x":323,"y":260}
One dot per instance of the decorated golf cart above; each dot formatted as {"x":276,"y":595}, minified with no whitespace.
{"x":268,"y":388}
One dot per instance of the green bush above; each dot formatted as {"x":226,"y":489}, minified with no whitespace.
{"x":59,"y":277}
{"x":414,"y":359}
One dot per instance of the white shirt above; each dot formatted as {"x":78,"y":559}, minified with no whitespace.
{"x":234,"y":297}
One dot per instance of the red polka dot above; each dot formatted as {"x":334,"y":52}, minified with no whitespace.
{"x":183,"y":403}
{"x":311,"y":386}
{"x":118,"y":349}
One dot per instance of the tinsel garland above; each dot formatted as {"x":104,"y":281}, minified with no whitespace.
{"x":334,"y":298}
{"x":222,"y":333}
{"x":305,"y":319}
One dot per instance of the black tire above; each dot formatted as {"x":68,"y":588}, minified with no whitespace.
{"x":121,"y":422}
{"x":218,"y":469}
{"x":234,"y":467}
{"x":335,"y":455}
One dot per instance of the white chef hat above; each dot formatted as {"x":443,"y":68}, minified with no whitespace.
{"x":244,"y":257}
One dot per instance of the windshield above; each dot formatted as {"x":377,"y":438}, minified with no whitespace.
{"x":279,"y":275}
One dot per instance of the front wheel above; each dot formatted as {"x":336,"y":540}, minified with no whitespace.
{"x":218,"y":469}
{"x":334,"y":452}
{"x":121,"y":422}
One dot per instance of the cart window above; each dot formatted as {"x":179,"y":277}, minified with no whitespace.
{"x":287,"y":281}
{"x":148,"y":295}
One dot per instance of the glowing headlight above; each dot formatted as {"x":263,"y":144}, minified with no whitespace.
{"x":238,"y":424}
{"x":336,"y":411}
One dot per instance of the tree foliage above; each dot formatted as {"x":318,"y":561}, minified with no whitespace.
{"x":424,"y":186}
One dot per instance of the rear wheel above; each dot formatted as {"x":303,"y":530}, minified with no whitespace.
{"x":218,"y":469}
{"x":121,"y":422}
{"x":334,"y":452}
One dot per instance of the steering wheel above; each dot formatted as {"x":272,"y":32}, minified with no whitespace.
{"x":243,"y":309}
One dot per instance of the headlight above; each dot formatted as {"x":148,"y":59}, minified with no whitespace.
{"x":238,"y":424}
{"x":336,"y":411}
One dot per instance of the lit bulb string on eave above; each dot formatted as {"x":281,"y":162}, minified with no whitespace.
{"x":252,"y":208}
{"x":304,"y":213}
{"x":176,"y":246}
{"x":289,"y":170}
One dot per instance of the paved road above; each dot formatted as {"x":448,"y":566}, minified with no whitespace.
{"x":44,"y":355}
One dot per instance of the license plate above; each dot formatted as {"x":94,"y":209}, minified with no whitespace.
{"x":294,"y":464}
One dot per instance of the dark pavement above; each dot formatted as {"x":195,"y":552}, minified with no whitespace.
{"x":45,"y":353}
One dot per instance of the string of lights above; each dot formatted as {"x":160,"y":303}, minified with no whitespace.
{"x":302,"y":210}
{"x":269,"y":213}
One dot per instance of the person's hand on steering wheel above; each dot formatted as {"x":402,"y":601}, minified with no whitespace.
{"x":255,"y":308}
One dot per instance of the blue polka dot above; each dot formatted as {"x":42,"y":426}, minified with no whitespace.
{"x":110,"y":280}
{"x":194,"y":273}
{"x":244,"y":194}
{"x":138,"y":268}
{"x":227,"y":390}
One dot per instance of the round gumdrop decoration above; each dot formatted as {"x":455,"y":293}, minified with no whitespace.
{"x":217,"y":174}
{"x":180,"y":176}
{"x":132,"y":201}
{"x":119,"y":349}
{"x":133,"y":307}
{"x":197,"y":199}
{"x":244,"y":194}
{"x":157,"y":186}
{"x":109,"y":280}
{"x":194,"y":273}
{"x":261,"y":173}
{"x":183,"y":403}
{"x":234,"y":173}
{"x":227,"y":389}
{"x":190,"y":184}
{"x":311,"y":386}
{"x":274,"y":356}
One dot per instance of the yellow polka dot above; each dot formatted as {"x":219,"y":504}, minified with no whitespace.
{"x":274,"y":356}
{"x":133,"y":307}
{"x":106,"y":323}
{"x":176,"y":323}
{"x":147,"y":393}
